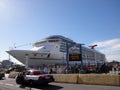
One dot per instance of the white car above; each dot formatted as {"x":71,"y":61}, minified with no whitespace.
{"x":34,"y":77}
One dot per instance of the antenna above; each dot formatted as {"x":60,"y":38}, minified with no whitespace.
{"x":21,"y":45}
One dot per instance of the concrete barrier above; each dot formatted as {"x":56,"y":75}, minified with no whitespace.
{"x":13,"y":74}
{"x":91,"y":79}
{"x":66,"y":78}
{"x":99,"y":79}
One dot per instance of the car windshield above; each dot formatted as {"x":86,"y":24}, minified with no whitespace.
{"x":37,"y":72}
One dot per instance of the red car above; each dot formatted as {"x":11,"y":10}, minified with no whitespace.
{"x":91,"y":68}
{"x":34,"y":77}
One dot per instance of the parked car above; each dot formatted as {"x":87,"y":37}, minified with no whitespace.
{"x":31,"y":77}
{"x":91,"y":68}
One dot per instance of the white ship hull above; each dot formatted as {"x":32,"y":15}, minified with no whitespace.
{"x":36,"y":58}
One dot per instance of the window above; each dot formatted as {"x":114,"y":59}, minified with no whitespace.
{"x":36,"y":72}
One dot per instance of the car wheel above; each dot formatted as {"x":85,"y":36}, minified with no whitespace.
{"x":30,"y":82}
{"x":19,"y":79}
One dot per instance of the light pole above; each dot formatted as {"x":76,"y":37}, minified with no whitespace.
{"x":95,"y":58}
{"x":86,"y":61}
{"x":9,"y":54}
{"x":26,"y":61}
{"x":80,"y":46}
{"x":64,"y":55}
{"x":67,"y":56}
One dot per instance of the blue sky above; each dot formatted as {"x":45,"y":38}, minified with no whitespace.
{"x":84,"y":21}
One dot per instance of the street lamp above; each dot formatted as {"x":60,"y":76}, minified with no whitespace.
{"x":26,"y":61}
{"x":86,"y":61}
{"x":67,"y":56}
{"x":80,"y":46}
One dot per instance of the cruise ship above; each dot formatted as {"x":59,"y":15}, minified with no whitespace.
{"x":55,"y":49}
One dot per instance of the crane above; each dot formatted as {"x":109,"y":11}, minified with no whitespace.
{"x":93,"y":46}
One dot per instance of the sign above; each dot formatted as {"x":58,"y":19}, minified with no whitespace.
{"x":74,"y":49}
{"x":75,"y":57}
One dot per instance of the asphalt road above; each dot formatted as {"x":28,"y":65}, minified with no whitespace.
{"x":9,"y":84}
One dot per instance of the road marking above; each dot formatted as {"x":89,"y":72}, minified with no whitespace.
{"x":9,"y":84}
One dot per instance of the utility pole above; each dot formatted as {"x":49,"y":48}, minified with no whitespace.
{"x":26,"y":62}
{"x":80,"y":46}
{"x":67,"y":56}
{"x":9,"y":55}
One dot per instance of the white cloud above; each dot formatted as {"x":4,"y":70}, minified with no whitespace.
{"x":108,"y":43}
{"x":111,"y":48}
